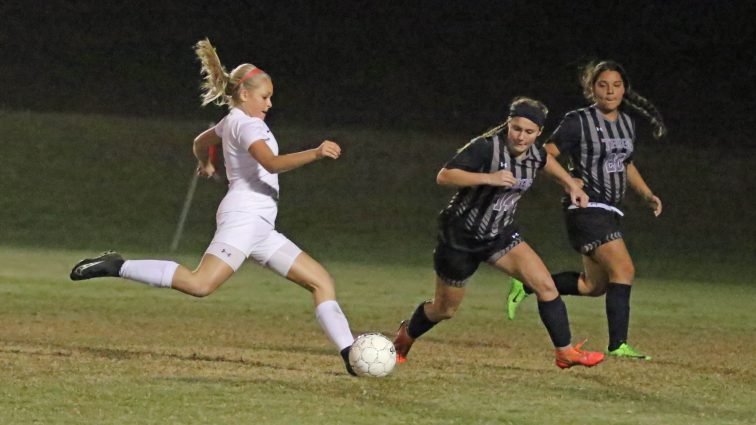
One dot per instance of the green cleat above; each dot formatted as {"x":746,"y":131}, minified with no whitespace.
{"x":516,"y":295}
{"x":629,"y":352}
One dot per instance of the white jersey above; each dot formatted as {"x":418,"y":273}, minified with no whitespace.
{"x":250,"y":186}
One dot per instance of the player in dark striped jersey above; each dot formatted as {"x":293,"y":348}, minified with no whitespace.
{"x":492,"y":172}
{"x":599,"y":141}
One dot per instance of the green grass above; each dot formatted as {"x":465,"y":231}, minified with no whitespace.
{"x":112,"y":352}
{"x":109,"y":352}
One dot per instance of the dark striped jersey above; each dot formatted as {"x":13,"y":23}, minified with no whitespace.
{"x":478,"y":214}
{"x":599,"y":150}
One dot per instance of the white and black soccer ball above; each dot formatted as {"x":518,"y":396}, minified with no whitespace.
{"x":372,"y":354}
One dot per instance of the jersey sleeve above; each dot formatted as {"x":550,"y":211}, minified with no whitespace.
{"x":567,"y":136}
{"x":542,"y":157}
{"x":252,"y":131}
{"x":219,"y":127}
{"x":473,"y":157}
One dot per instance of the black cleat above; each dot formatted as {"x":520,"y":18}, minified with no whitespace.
{"x":107,"y":264}
{"x":345,"y":356}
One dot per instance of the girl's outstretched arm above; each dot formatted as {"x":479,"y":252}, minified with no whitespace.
{"x":280,"y":163}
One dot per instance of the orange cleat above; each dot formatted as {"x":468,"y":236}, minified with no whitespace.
{"x":403,"y":342}
{"x":574,"y":356}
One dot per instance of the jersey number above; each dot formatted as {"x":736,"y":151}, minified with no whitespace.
{"x":615,"y":162}
{"x":505,"y":203}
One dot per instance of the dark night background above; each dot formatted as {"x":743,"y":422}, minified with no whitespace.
{"x":425,"y":65}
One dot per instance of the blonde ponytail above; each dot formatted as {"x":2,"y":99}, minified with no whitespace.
{"x":219,"y":86}
{"x":216,"y":79}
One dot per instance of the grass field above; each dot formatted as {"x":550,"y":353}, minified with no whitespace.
{"x":110,"y":352}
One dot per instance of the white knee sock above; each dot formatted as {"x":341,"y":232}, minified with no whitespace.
{"x":155,"y":273}
{"x":334,"y":323}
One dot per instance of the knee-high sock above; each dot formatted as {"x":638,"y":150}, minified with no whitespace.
{"x":554,"y":316}
{"x":334,"y":323}
{"x":565,"y":282}
{"x":155,"y":273}
{"x":617,"y":313}
{"x":419,"y":322}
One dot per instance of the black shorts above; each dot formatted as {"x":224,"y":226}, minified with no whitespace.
{"x":455,"y":266}
{"x":589,"y":228}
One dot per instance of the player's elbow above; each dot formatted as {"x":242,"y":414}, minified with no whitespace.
{"x":442,"y":178}
{"x":271,"y":169}
{"x":198,"y":142}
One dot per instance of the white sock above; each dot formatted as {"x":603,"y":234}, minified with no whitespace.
{"x":334,"y":323}
{"x":155,"y":273}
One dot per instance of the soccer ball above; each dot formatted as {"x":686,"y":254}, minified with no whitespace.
{"x":372,"y":354}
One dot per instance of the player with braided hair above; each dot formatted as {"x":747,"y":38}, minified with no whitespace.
{"x":247,"y":214}
{"x":599,"y":141}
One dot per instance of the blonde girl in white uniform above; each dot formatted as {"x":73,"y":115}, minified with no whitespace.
{"x":246,"y":216}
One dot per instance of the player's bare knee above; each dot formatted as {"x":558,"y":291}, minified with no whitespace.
{"x":546,"y":293}
{"x":202,"y":290}
{"x":543,"y":288}
{"x":201,"y":287}
{"x":323,"y":285}
{"x":622,"y":273}
{"x":630,"y":272}
{"x":596,"y":291}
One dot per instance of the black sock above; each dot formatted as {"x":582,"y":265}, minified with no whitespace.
{"x":419,"y":322}
{"x":527,"y":289}
{"x":554,"y":317}
{"x":617,"y":313}
{"x":566,"y":282}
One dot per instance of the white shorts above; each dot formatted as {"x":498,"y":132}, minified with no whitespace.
{"x":240,"y":235}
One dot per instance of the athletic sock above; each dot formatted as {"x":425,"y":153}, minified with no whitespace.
{"x":527,"y":289}
{"x":554,"y":316}
{"x":617,"y":313}
{"x":334,"y":324}
{"x":419,"y":322}
{"x":155,"y":273}
{"x":566,"y":283}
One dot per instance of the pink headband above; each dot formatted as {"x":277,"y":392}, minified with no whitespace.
{"x":250,"y":74}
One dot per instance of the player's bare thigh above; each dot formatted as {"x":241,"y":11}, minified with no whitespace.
{"x":610,"y":262}
{"x":524,"y":264}
{"x":205,"y":279}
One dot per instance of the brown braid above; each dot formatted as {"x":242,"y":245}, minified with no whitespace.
{"x":643,"y":106}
